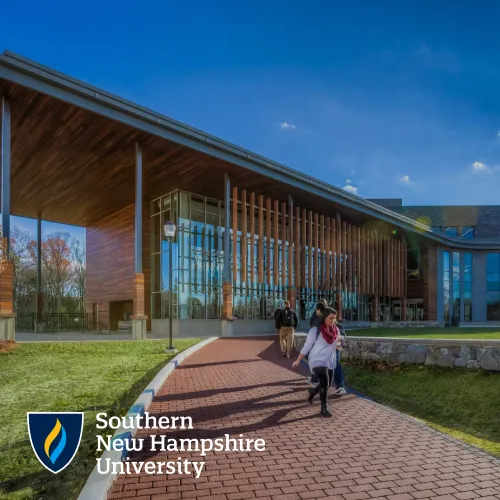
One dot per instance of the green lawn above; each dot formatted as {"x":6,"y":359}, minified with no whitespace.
{"x":429,"y":333}
{"x":461,"y":403}
{"x":85,"y":376}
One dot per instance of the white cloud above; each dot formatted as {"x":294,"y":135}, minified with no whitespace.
{"x":405,"y":179}
{"x":350,"y":189}
{"x":348,"y":181}
{"x":498,"y":133}
{"x":286,"y":125}
{"x":478,"y":166}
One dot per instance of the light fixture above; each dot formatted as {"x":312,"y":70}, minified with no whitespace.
{"x":169,"y":229}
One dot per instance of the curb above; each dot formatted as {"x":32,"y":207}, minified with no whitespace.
{"x":98,"y":485}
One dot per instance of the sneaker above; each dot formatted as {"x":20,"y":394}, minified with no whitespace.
{"x":283,"y":354}
{"x":341,"y":391}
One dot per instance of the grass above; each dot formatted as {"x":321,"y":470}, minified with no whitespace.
{"x":82,"y":376}
{"x":429,"y":333}
{"x":461,"y":403}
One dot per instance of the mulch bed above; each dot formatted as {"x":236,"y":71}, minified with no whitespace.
{"x":7,"y":346}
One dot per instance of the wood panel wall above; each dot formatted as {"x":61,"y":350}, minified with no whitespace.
{"x":336,"y":254}
{"x":110,"y":262}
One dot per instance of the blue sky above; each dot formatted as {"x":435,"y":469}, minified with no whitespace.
{"x":387,"y":98}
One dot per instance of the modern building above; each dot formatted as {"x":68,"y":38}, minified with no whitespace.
{"x":250,"y":232}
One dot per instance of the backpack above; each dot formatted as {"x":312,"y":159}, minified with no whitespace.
{"x":287,"y":317}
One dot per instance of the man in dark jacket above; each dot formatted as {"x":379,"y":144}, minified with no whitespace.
{"x":287,"y":321}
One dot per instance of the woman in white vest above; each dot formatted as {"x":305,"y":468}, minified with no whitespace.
{"x":320,"y":348}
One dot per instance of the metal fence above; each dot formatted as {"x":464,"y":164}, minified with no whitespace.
{"x":53,"y":322}
{"x":25,"y":322}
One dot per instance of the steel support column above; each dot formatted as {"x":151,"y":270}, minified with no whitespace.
{"x":227,"y":229}
{"x":39,"y":297}
{"x":7,"y":315}
{"x":138,"y":318}
{"x":6,"y":143}
{"x":138,"y":208}
{"x":227,"y":287}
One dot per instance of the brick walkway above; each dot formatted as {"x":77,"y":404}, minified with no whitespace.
{"x":242,"y":386}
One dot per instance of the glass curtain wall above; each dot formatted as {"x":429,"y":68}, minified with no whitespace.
{"x":456,"y":288}
{"x":198,"y":262}
{"x":493,"y":287}
{"x":197,"y":257}
{"x":446,"y":286}
{"x":467,"y":286}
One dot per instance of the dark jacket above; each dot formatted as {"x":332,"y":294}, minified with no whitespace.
{"x":281,"y":315}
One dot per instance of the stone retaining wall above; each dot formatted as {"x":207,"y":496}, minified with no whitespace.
{"x":472,"y":354}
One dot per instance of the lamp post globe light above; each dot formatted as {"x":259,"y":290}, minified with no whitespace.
{"x":169,"y":228}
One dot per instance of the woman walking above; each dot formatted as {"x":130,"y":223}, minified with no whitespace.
{"x":320,"y":348}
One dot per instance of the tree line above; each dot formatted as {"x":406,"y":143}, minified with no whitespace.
{"x":63,"y":272}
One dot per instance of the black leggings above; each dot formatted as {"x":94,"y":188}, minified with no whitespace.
{"x":324,"y":375}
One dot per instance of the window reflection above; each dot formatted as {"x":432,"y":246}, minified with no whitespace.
{"x":468,"y":232}
{"x":493,"y":287}
{"x":197,"y":267}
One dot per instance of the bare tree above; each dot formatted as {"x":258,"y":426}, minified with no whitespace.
{"x":57,"y":269}
{"x":79,"y":274}
{"x":63,"y":272}
{"x":23,"y":261}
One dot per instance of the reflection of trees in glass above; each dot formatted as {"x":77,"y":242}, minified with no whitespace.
{"x":63,"y":272}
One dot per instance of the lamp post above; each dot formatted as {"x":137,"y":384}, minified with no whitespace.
{"x":169,"y":229}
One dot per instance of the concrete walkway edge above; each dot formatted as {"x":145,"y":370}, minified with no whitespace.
{"x":98,"y":485}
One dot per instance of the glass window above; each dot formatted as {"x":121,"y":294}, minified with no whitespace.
{"x":184,"y":208}
{"x":437,"y":229}
{"x":467,"y":266}
{"x":468,"y":232}
{"x":451,"y":230}
{"x":155,"y":207}
{"x":197,"y":203}
{"x":493,"y":285}
{"x":156,"y":229}
{"x":493,"y":306}
{"x":156,"y":306}
{"x":413,"y":263}
{"x":446,"y":285}
{"x":156,"y":273}
{"x":446,"y":261}
{"x":456,"y":266}
{"x":166,"y":202}
{"x":493,"y":263}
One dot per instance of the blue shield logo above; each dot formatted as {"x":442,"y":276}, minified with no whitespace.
{"x":55,"y":437}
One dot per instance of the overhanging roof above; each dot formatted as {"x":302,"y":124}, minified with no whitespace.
{"x":31,"y":75}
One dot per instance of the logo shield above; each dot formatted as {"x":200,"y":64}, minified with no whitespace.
{"x":55,"y":437}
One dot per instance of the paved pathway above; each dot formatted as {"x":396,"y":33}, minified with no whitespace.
{"x":242,"y":386}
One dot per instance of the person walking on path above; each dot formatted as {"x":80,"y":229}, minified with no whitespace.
{"x":321,"y":347}
{"x":316,"y":320}
{"x":286,"y":322}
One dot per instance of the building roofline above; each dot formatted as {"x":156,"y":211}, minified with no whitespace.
{"x":35,"y":76}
